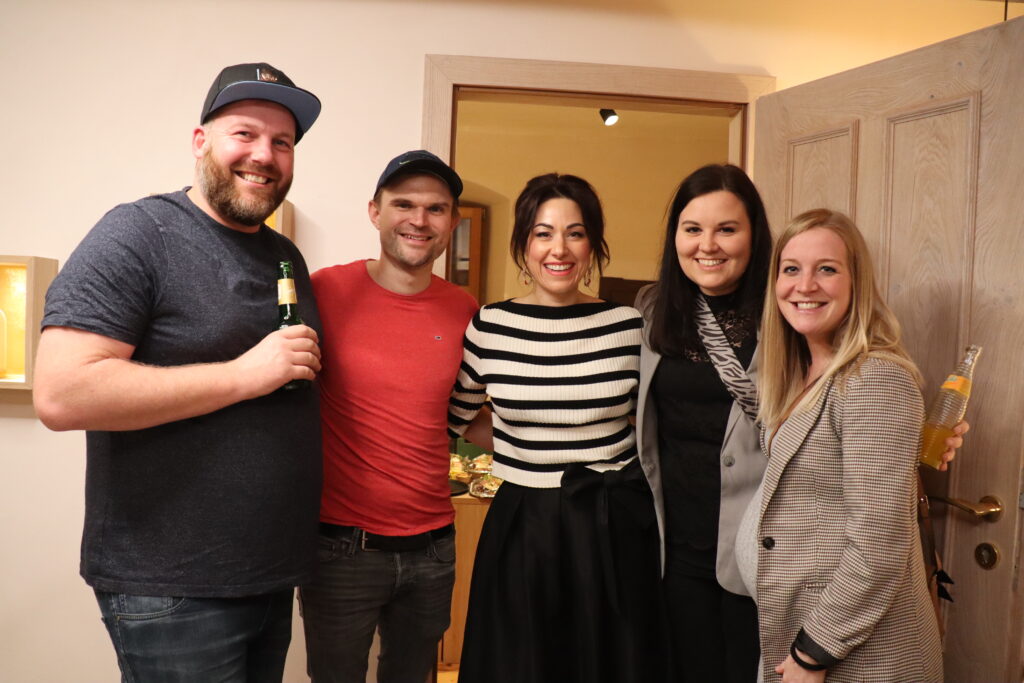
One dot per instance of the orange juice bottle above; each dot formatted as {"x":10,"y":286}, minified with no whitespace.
{"x":947,"y":409}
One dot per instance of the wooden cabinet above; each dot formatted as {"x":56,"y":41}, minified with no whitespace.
{"x":469,"y":519}
{"x":23,"y":283}
{"x":464,"y":262}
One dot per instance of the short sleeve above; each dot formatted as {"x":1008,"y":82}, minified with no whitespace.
{"x":110,"y":283}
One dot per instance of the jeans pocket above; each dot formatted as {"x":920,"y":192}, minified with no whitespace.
{"x":330,"y":548}
{"x":141,"y":607}
{"x":443,"y":549}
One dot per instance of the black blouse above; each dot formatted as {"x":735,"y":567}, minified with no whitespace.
{"x":693,"y":411}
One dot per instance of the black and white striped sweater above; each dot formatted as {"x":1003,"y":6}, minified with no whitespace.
{"x":562,"y":382}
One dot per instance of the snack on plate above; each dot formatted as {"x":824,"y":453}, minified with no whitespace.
{"x":457,"y":469}
{"x":481,"y":464}
{"x":484,"y":486}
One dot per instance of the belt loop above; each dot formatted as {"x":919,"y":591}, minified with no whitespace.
{"x":362,"y":539}
{"x":358,"y":540}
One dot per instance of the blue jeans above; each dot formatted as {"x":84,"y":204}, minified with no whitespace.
{"x":179,"y":640}
{"x":406,"y":594}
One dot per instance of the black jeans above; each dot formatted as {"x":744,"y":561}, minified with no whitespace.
{"x":182,"y":640}
{"x":713,"y":632}
{"x":406,"y":594}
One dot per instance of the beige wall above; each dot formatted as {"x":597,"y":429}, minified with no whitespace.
{"x":634,"y":165}
{"x":99,"y":100}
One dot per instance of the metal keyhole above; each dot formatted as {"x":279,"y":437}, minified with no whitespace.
{"x":986,"y":555}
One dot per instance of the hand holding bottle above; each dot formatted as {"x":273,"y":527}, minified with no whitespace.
{"x":291,"y":353}
{"x":946,"y":413}
{"x":953,"y":444}
{"x":288,"y":310}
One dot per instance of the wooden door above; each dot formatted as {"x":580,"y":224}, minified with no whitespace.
{"x":926,"y":152}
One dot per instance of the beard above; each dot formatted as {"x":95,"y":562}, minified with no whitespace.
{"x":217,"y":184}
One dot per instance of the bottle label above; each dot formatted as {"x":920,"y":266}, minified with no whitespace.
{"x":958,"y":384}
{"x":286,"y":292}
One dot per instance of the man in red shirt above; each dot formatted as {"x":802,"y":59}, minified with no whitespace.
{"x":391,"y":348}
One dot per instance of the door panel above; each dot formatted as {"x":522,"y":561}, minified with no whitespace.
{"x":822,"y":171}
{"x":925,"y":151}
{"x":928,"y":228}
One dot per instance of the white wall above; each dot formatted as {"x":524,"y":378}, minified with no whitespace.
{"x":99,"y":99}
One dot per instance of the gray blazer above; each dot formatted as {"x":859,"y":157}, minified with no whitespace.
{"x":839,"y":553}
{"x":741,"y":459}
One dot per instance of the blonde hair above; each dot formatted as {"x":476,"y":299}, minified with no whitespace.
{"x":869,"y":329}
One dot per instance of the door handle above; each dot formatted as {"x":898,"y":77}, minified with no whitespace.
{"x":988,"y":508}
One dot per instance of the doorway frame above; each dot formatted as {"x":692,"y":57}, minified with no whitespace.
{"x":444,"y":74}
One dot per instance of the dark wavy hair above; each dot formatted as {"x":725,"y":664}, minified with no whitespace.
{"x":553,"y":186}
{"x":670,"y":304}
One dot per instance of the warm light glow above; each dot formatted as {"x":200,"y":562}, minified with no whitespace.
{"x":13,"y":287}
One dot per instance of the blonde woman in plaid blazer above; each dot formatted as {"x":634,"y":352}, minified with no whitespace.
{"x":840,"y":579}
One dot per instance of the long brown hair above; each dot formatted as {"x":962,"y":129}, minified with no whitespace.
{"x":670,"y":304}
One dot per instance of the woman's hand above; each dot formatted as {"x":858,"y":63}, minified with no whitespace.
{"x":953,"y":443}
{"x":794,"y":673}
{"x":480,"y":430}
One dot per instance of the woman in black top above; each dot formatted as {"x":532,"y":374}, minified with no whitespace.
{"x":698,"y":446}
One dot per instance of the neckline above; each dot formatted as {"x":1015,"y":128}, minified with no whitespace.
{"x":541,"y":311}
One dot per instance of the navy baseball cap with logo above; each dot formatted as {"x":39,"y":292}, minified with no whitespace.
{"x":420,"y":161}
{"x":262,"y":82}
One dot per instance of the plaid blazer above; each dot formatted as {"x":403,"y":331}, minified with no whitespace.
{"x":839,"y":553}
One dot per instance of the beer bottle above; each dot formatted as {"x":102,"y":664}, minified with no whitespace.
{"x":947,"y":409}
{"x":288,"y":310}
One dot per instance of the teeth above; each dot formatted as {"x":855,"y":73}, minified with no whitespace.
{"x":418,"y":238}
{"x":252,"y":178}
{"x":808,"y":304}
{"x":710,"y":262}
{"x":558,"y":267}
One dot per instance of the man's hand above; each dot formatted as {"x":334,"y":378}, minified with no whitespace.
{"x":281,"y":356}
{"x":85,"y":380}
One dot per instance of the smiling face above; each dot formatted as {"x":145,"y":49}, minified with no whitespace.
{"x":246,"y":155}
{"x":415,"y":216}
{"x":713,"y":239}
{"x":814,"y":286}
{"x":558,"y":252}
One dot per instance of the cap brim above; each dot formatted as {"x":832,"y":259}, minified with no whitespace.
{"x":429,"y":166}
{"x":304,"y":105}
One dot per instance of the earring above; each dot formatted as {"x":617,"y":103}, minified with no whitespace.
{"x":590,"y":273}
{"x":525,"y":276}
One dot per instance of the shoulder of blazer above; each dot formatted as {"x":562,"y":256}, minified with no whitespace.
{"x":643,"y":299}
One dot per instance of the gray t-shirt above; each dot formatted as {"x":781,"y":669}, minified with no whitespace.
{"x":223,"y":504}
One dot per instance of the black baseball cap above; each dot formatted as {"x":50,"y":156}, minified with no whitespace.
{"x":420,"y":161}
{"x":262,"y":82}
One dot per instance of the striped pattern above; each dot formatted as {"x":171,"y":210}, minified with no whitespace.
{"x":839,"y":504}
{"x":562,"y":382}
{"x":736,"y":380}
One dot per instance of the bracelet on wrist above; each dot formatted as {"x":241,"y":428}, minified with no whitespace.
{"x":802,"y":663}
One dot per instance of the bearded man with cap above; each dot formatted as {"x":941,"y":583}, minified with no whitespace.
{"x":202,"y":476}
{"x":392,"y":347}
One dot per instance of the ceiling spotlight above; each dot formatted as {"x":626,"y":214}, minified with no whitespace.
{"x":609,"y":117}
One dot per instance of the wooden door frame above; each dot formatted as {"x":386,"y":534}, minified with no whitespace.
{"x":443,"y":74}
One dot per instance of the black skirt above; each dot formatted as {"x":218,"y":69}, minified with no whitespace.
{"x":566,"y":585}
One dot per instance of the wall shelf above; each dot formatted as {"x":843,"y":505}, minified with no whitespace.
{"x":23,"y":283}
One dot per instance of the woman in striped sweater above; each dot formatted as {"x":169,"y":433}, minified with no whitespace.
{"x":565,"y":586}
